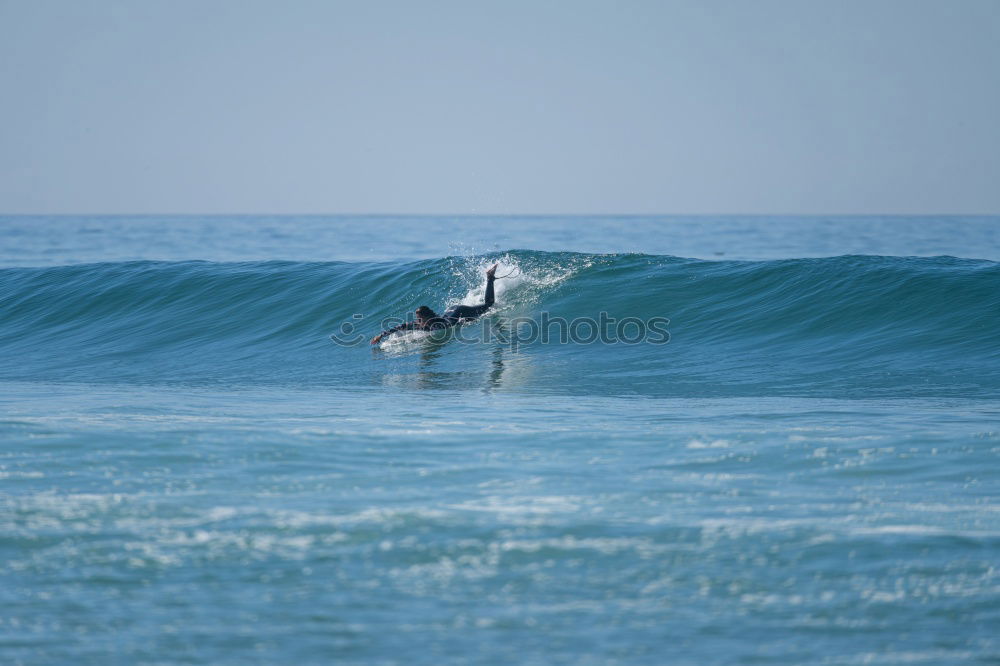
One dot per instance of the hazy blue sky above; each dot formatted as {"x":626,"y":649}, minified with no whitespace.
{"x":748,"y":106}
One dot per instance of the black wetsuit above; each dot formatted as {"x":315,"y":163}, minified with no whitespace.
{"x":453,"y":316}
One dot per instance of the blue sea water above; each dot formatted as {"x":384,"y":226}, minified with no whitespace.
{"x":193,"y":470}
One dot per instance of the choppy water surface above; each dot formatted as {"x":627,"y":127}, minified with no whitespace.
{"x":192,"y":471}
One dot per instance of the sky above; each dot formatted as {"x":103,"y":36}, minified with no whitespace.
{"x":465,"y":107}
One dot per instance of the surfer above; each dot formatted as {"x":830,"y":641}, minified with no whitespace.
{"x":428,"y":320}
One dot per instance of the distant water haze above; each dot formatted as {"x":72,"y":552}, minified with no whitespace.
{"x":55,"y":240}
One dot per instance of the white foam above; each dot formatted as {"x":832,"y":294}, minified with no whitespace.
{"x":516,"y":284}
{"x":714,"y":444}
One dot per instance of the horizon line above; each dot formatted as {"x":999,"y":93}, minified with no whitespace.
{"x":507,"y":215}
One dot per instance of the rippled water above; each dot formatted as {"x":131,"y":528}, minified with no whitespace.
{"x":192,"y":471}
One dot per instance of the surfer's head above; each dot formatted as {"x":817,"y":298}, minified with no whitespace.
{"x":424,"y":314}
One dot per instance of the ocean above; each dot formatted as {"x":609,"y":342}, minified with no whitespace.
{"x":674,"y":440}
